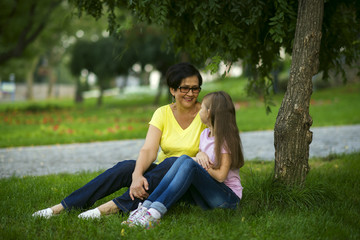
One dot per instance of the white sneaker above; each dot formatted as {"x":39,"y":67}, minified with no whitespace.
{"x":147,"y":221}
{"x":45,"y":213}
{"x":135,"y":215}
{"x":90,"y":214}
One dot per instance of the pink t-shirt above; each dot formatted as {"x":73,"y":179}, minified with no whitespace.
{"x":207,"y":145}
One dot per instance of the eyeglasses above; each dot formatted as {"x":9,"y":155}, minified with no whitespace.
{"x":187,"y":89}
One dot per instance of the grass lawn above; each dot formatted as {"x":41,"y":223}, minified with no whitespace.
{"x":328,"y":207}
{"x":62,"y":121}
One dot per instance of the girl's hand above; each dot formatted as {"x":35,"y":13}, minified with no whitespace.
{"x":204,"y":160}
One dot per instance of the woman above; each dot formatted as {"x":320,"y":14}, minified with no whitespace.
{"x":175,"y":128}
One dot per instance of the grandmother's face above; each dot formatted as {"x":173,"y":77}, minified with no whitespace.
{"x":187,"y":93}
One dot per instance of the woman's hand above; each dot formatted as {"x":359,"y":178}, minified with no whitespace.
{"x":138,"y":188}
{"x":204,"y":160}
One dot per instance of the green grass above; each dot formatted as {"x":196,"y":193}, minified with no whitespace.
{"x":336,"y":106}
{"x":328,"y":207}
{"x":62,"y":121}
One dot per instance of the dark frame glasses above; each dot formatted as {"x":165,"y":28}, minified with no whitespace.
{"x":187,"y":89}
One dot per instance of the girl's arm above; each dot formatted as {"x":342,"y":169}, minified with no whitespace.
{"x":221,"y":173}
{"x":147,"y":155}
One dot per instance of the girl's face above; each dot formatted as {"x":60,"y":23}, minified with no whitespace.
{"x":187,"y":99}
{"x":204,"y":114}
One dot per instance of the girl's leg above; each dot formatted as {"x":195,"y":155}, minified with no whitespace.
{"x":173,"y":185}
{"x":190,"y":173}
{"x":166,"y":180}
{"x":151,"y":211}
{"x":154,"y":177}
{"x":218,"y":195}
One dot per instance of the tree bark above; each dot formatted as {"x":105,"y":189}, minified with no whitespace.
{"x":30,"y":78}
{"x":79,"y":91}
{"x":52,"y":80}
{"x":159,"y":91}
{"x":100,"y":98}
{"x":292,"y":135}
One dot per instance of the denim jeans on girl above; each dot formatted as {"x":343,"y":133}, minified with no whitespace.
{"x":114,"y":179}
{"x":184,"y":175}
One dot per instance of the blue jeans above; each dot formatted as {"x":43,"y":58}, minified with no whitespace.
{"x":184,"y":175}
{"x":114,"y":179}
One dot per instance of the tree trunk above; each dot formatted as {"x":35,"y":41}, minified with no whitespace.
{"x":100,"y":98}
{"x":30,"y":78}
{"x":79,"y":91}
{"x":159,"y":91}
{"x":52,"y":81}
{"x":292,"y":135}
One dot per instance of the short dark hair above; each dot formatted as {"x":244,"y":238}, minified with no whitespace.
{"x":176,"y":73}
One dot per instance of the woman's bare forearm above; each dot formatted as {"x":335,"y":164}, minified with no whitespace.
{"x":145,"y":159}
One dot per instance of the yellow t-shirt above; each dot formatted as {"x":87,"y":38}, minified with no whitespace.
{"x":176,"y":141}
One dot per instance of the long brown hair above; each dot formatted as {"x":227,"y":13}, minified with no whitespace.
{"x":226,"y":132}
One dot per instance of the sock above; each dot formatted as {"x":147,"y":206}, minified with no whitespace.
{"x":155,"y":213}
{"x":90,"y":214}
{"x":146,"y":204}
{"x":46,"y":213}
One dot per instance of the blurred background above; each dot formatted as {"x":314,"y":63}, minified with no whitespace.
{"x":65,"y":78}
{"x":48,"y":51}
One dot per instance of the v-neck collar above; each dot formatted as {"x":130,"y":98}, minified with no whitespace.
{"x":177,"y":123}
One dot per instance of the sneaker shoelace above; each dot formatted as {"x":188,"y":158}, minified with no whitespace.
{"x":147,"y":221}
{"x":136,"y":214}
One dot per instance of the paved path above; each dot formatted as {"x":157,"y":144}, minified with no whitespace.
{"x":72,"y":158}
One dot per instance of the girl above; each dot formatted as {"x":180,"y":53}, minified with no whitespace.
{"x":212,"y":177}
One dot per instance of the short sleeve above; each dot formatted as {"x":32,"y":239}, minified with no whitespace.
{"x":224,"y":149}
{"x":157,"y":119}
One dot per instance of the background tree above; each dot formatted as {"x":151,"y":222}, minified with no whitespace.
{"x":78,"y":62}
{"x":20,"y":24}
{"x":41,"y":31}
{"x":106,"y":58}
{"x":151,"y":46}
{"x":110,"y":57}
{"x":254,"y":31}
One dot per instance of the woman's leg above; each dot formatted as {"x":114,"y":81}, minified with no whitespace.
{"x":108,"y":208}
{"x":153,"y":176}
{"x":58,"y":208}
{"x":124,"y":202}
{"x":103,"y":185}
